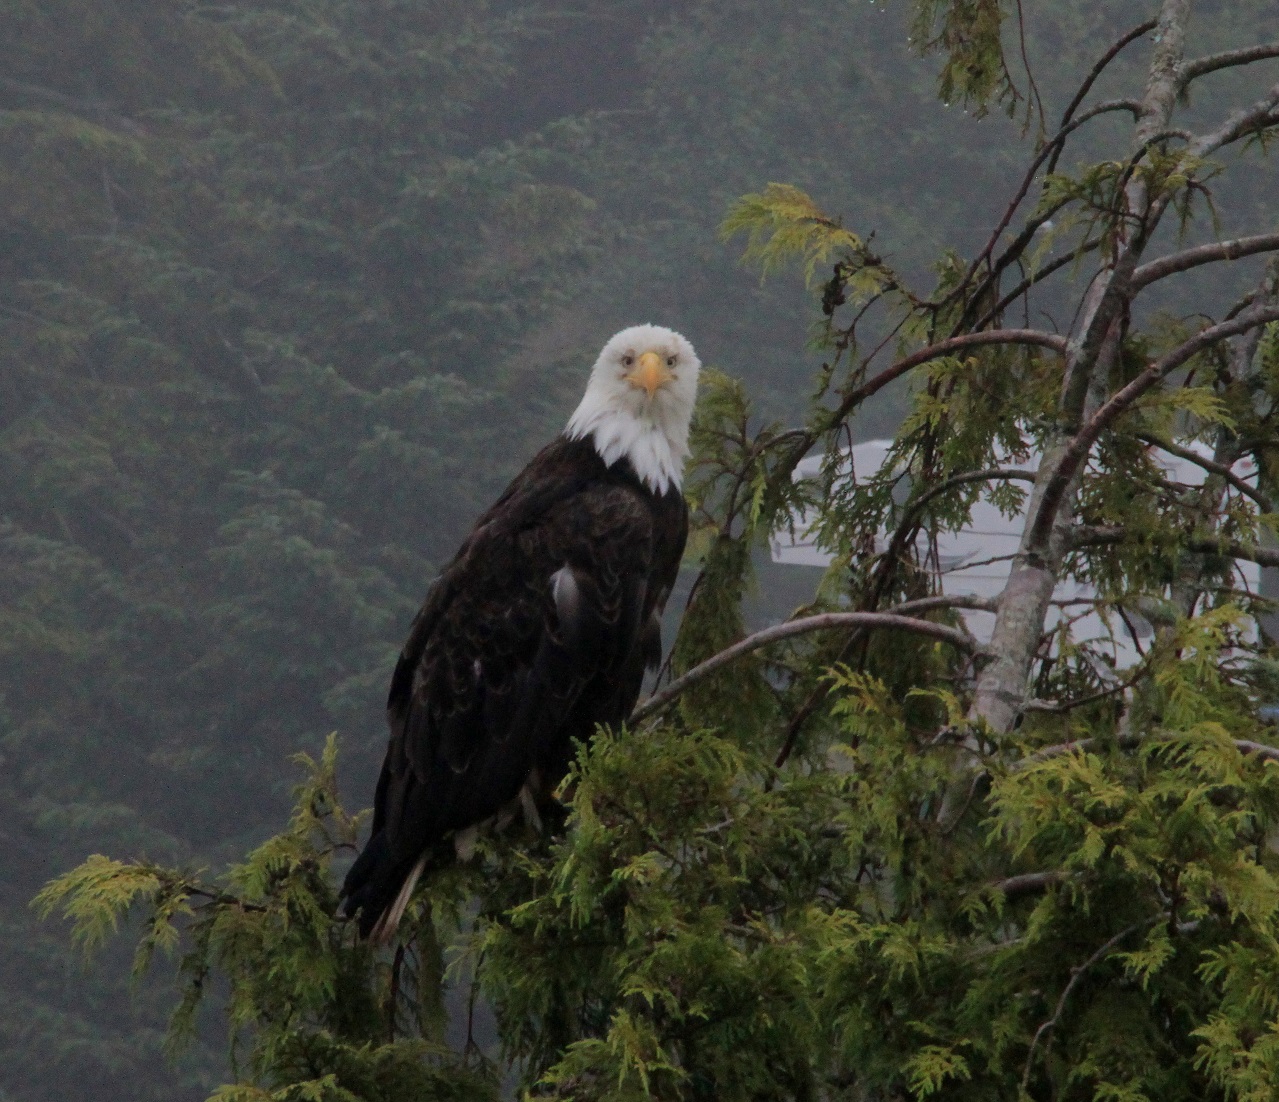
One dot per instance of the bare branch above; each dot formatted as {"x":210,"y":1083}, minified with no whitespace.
{"x":1247,"y":120}
{"x":826,"y":621}
{"x":1122,"y":400}
{"x":1192,"y":456}
{"x":1204,"y":254}
{"x":1100,"y":66}
{"x":1210,"y":63}
{"x":945,"y":348}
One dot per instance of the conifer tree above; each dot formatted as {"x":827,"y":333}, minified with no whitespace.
{"x":863,"y":854}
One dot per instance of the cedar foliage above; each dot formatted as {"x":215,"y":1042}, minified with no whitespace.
{"x":915,"y":899}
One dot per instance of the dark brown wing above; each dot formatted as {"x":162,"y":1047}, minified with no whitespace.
{"x":538,"y":630}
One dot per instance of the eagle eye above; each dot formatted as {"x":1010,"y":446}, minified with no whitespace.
{"x":628,"y":360}
{"x":670,"y":361}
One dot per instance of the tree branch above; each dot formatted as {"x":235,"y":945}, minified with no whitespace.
{"x":1203,"y":254}
{"x":1027,"y":883}
{"x":1010,"y":474}
{"x":1210,"y":465}
{"x":1049,"y":151}
{"x":826,"y":621}
{"x":1119,"y":402}
{"x":945,"y":348}
{"x":1038,"y":277}
{"x":1076,"y":974}
{"x":1244,"y":121}
{"x":1210,"y":63}
{"x":1100,"y":66}
{"x":1232,"y":549}
{"x":1088,"y":535}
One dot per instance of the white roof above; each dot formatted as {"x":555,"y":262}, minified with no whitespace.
{"x":976,"y":560}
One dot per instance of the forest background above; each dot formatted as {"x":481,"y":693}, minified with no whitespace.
{"x":288,"y":290}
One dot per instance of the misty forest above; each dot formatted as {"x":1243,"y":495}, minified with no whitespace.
{"x":291,"y":289}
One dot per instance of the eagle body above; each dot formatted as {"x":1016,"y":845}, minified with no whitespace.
{"x":538,"y":631}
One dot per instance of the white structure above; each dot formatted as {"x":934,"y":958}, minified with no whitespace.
{"x":976,"y":560}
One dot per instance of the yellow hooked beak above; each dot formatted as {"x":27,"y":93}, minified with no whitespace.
{"x":649,"y":373}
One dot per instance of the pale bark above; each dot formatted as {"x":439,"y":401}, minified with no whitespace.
{"x":1002,"y":686}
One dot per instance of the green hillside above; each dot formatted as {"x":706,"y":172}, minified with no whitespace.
{"x":289,"y":289}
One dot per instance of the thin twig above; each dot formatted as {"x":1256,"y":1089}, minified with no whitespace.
{"x":1096,"y":71}
{"x":1212,"y":466}
{"x":1076,"y":974}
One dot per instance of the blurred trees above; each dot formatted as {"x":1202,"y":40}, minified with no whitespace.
{"x":287,"y":290}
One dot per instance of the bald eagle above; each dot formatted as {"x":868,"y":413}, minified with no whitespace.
{"x":540,"y":628}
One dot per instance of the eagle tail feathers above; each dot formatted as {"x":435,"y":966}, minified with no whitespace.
{"x":384,"y":929}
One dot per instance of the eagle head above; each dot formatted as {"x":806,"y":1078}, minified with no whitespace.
{"x":639,"y":402}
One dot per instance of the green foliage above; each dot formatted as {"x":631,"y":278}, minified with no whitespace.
{"x":969,"y":35}
{"x":782,"y":222}
{"x":306,"y":999}
{"x":290,"y":289}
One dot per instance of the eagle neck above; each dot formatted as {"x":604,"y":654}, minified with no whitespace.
{"x":656,"y":459}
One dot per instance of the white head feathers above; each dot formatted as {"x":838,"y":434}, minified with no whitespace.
{"x":639,"y":402}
